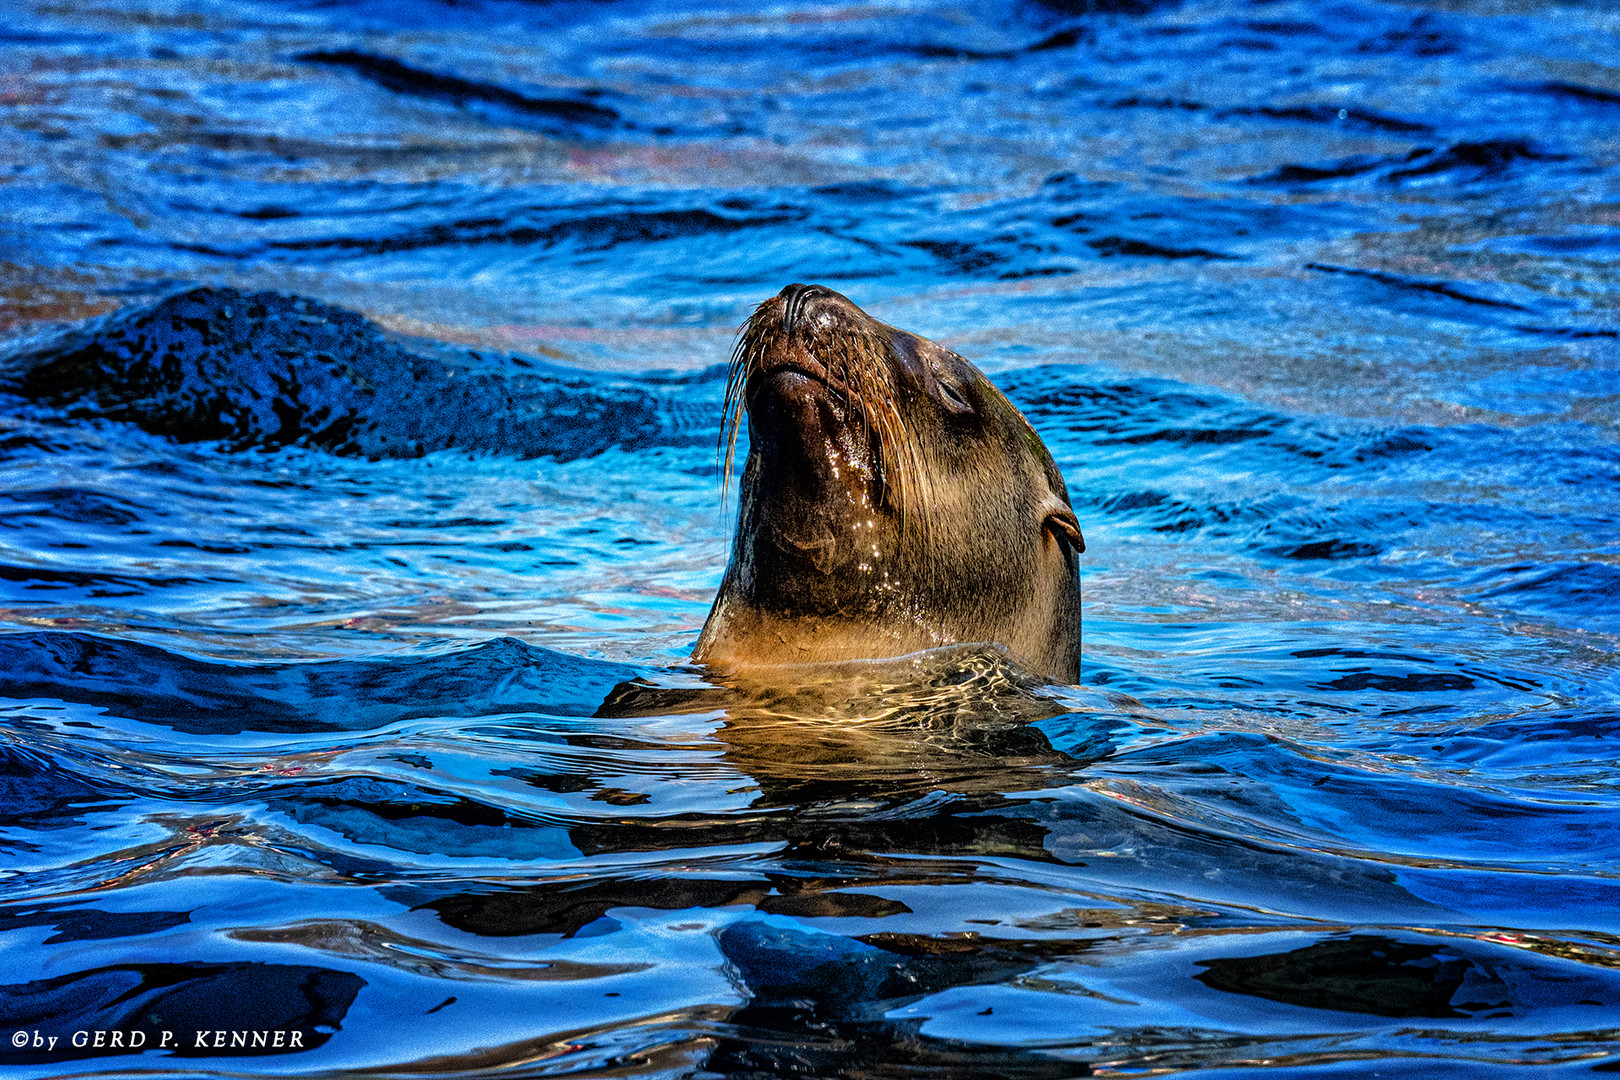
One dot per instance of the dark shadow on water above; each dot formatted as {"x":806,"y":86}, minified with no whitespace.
{"x":1408,"y":977}
{"x":555,"y":115}
{"x":1360,"y":974}
{"x":190,"y":1001}
{"x":818,"y":1001}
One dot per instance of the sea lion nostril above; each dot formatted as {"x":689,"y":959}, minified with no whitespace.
{"x":794,"y":299}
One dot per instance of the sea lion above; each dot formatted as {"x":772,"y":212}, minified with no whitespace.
{"x":893,"y":501}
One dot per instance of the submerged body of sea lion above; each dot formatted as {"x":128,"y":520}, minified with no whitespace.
{"x":893,"y":501}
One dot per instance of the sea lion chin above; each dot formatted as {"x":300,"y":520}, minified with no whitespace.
{"x":893,"y":501}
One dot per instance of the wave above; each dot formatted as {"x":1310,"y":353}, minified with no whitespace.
{"x":144,"y":682}
{"x":266,"y":370}
{"x":555,"y":115}
{"x":1463,"y":162}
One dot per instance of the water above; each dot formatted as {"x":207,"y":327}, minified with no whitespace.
{"x":345,"y":602}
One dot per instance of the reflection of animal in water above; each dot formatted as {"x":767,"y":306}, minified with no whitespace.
{"x":893,"y":501}
{"x":957,"y":720}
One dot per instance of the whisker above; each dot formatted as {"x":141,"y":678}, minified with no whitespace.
{"x":737,"y":370}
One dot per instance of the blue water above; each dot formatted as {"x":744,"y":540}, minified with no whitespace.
{"x":361,"y":369}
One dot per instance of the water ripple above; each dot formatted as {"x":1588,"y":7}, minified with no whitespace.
{"x":359,"y":506}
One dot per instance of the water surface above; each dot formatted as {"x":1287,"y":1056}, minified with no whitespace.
{"x":361,"y":379}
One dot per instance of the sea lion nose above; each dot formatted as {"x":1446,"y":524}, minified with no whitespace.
{"x":795,"y":299}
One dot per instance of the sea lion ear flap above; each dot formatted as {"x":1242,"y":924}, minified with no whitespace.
{"x":1061,"y":522}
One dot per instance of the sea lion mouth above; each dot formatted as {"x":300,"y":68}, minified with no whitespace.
{"x":789,"y":370}
{"x":780,"y":338}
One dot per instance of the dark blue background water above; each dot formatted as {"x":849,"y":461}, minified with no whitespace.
{"x":312,"y":582}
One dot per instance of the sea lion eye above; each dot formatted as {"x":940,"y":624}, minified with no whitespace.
{"x":954,"y":397}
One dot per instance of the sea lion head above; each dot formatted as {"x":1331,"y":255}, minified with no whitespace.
{"x":893,"y":501}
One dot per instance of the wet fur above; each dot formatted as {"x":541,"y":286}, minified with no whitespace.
{"x":893,"y":501}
